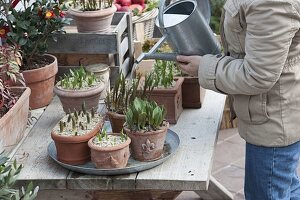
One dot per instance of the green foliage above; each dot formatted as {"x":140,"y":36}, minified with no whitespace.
{"x":78,"y":79}
{"x":164,"y":71}
{"x":33,"y":27}
{"x":122,"y":94}
{"x":216,"y":12}
{"x":91,"y":5}
{"x":10,"y":59}
{"x":144,"y":115}
{"x":76,"y":121}
{"x":8,"y":177}
{"x":151,"y":4}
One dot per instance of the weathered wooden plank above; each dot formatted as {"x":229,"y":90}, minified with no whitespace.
{"x":106,"y":195}
{"x":89,"y":182}
{"x":125,"y":67}
{"x":124,"y":47}
{"x":89,"y":43}
{"x":122,"y":25}
{"x":190,"y":168}
{"x":130,"y":41}
{"x":38,"y":166}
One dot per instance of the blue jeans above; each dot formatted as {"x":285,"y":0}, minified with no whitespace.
{"x":271,"y":172}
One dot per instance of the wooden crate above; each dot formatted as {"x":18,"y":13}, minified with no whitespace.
{"x":226,"y":122}
{"x":114,"y":47}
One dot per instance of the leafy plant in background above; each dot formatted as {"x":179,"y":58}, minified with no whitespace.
{"x":216,"y":12}
{"x":91,"y":5}
{"x":10,"y":60}
{"x":31,"y":28}
{"x":144,"y":115}
{"x":8,"y":177}
{"x":78,"y":79}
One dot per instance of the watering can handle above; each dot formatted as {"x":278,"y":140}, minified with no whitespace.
{"x":161,"y":13}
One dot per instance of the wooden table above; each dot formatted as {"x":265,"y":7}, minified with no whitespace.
{"x":188,"y":169}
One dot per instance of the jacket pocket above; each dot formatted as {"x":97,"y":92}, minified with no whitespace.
{"x":232,"y":17}
{"x":251,"y":109}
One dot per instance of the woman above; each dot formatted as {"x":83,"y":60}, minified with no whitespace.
{"x":261,"y":72}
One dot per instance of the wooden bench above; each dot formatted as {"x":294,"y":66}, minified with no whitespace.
{"x":189,"y":169}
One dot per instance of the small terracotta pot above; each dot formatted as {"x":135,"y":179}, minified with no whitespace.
{"x":41,"y":82}
{"x":73,"y":99}
{"x":93,"y":21}
{"x":74,"y":150}
{"x":116,"y":121}
{"x":147,"y":146}
{"x":110,"y":157}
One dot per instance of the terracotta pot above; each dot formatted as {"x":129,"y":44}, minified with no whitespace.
{"x":73,"y":99}
{"x":93,"y":21}
{"x":74,"y":150}
{"x":192,"y":93}
{"x":110,"y":157}
{"x":147,"y":146}
{"x":101,"y":71}
{"x":41,"y":82}
{"x":13,"y":123}
{"x":116,"y":121}
{"x":171,"y":98}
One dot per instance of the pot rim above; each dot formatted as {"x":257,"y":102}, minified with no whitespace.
{"x":112,"y":148}
{"x":77,"y":139}
{"x":161,"y":130}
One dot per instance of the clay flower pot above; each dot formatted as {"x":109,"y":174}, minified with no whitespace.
{"x":116,"y":121}
{"x":110,"y":157}
{"x":13,"y":123}
{"x":41,"y":83}
{"x":147,"y":146}
{"x":74,"y":150}
{"x":192,"y":93}
{"x":171,"y":98}
{"x":73,"y":99}
{"x":93,"y":21}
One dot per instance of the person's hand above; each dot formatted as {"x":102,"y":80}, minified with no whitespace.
{"x":189,"y":64}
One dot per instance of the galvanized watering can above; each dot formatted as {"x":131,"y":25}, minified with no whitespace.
{"x":185,"y":26}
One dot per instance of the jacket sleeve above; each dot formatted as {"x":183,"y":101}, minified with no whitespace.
{"x":271,"y":26}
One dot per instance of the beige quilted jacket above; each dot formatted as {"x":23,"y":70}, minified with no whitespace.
{"x":261,"y":70}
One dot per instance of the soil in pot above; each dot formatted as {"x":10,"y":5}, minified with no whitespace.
{"x":72,"y":146}
{"x":111,"y":151}
{"x":41,"y":81}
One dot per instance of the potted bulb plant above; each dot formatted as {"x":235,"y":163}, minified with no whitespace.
{"x":72,"y":133}
{"x":14,"y":101}
{"x":78,"y":87}
{"x":146,"y":127}
{"x":109,"y":150}
{"x":30,"y":29}
{"x":167,"y":89}
{"x":92,"y":15}
{"x":118,"y":99}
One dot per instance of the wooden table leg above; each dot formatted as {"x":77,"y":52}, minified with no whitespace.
{"x":216,"y":191}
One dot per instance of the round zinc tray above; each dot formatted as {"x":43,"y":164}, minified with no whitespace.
{"x":170,"y":147}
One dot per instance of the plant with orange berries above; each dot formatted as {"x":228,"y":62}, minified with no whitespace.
{"x":31,"y":28}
